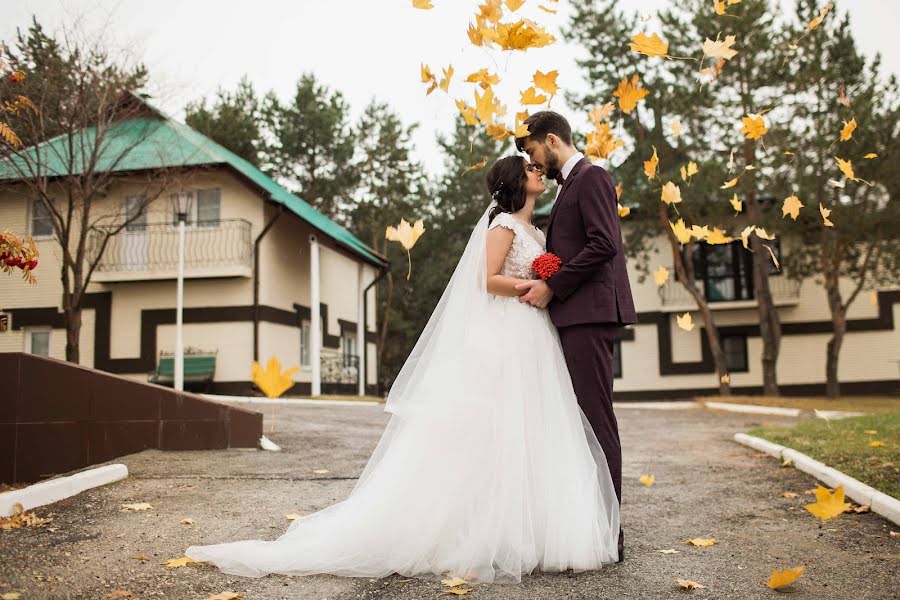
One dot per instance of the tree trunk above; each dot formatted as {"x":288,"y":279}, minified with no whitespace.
{"x":73,"y":333}
{"x":833,"y":352}
{"x":769,"y":323}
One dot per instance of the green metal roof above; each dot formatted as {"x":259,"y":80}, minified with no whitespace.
{"x":157,"y":142}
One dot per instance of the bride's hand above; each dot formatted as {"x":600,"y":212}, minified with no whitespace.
{"x":538,"y":293}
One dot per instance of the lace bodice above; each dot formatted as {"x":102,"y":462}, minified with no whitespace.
{"x":528,"y":244}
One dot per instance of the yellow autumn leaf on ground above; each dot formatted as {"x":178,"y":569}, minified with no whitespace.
{"x":718,"y":237}
{"x":459,"y":591}
{"x":754,"y":126}
{"x":669,"y":551}
{"x":546,"y":81}
{"x":703,"y":542}
{"x":531,"y":96}
{"x":791,"y":206}
{"x":738,"y":205}
{"x":870,"y":156}
{"x":445,"y":82}
{"x":661,"y":275}
{"x":137,"y":506}
{"x":870,"y":431}
{"x":483,"y":78}
{"x":624,"y":211}
{"x":271,"y":380}
{"x":651,"y":45}
{"x":689,"y":585}
{"x":848,"y":129}
{"x":784,"y":577}
{"x":10,"y":596}
{"x":876,"y":443}
{"x":651,"y":165}
{"x":671,"y":193}
{"x":720,"y":48}
{"x":828,"y":505}
{"x":630,"y":93}
{"x":681,"y":232}
{"x":226,"y":596}
{"x":179,"y":562}
{"x":454,"y":582}
{"x":825,"y":212}
{"x":647,"y":480}
{"x":292,"y":516}
{"x":186,"y":522}
{"x":407,"y":236}
{"x":684,"y":321}
{"x":423,"y":4}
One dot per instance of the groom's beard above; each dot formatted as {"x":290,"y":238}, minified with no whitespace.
{"x":552,"y":164}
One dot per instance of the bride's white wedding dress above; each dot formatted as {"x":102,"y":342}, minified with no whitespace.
{"x":487,"y":469}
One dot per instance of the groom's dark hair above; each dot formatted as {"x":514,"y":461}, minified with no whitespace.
{"x":540,"y":124}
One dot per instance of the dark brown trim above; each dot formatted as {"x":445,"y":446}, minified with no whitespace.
{"x":344,"y":325}
{"x":889,"y":387}
{"x":305,"y":314}
{"x":300,"y":388}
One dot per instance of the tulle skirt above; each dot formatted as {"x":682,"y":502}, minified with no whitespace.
{"x":493,"y":474}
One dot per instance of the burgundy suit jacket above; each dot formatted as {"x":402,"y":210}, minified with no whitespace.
{"x":592,"y":284}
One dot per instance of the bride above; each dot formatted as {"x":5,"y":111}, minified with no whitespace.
{"x":488,"y":468}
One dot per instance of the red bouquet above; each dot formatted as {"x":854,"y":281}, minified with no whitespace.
{"x":546,"y":265}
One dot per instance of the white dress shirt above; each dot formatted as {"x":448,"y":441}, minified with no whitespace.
{"x":567,"y":168}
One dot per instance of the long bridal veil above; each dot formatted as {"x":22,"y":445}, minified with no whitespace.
{"x":487,"y":468}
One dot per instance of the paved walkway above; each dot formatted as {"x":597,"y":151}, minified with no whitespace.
{"x":706,"y":486}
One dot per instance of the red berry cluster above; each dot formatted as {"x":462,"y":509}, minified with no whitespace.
{"x":14,"y":253}
{"x":546,"y":265}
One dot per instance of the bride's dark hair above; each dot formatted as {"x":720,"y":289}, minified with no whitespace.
{"x":506,"y":182}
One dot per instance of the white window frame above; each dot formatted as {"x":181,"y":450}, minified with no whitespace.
{"x":29,"y":331}
{"x":31,"y":212}
{"x":193,"y":217}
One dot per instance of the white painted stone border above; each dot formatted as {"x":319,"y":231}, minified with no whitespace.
{"x":881,"y":503}
{"x":754,"y":408}
{"x":664,"y":405}
{"x":289,"y":401}
{"x":60,"y":488}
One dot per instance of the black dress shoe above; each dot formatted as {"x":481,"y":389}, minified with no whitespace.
{"x":621,"y":552}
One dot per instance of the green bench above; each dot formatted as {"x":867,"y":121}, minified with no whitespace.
{"x":199,"y":370}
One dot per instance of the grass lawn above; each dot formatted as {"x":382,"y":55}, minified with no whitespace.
{"x":871,"y":404}
{"x":844,"y":445}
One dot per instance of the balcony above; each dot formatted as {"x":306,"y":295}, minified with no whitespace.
{"x":149,"y":251}
{"x":722,"y":294}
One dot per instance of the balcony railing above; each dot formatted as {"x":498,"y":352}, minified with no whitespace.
{"x":220,"y":248}
{"x":673,"y":296}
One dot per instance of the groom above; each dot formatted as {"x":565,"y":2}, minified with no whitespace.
{"x":590,"y":297}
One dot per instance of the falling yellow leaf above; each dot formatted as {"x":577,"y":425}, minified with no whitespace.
{"x":791,"y":206}
{"x":271,"y":380}
{"x":848,"y":129}
{"x":618,"y":191}
{"x":476,"y":166}
{"x":702,"y":541}
{"x":699,"y":233}
{"x":445,"y":82}
{"x":514,"y":5}
{"x":547,"y":9}
{"x":671,"y":193}
{"x":630,"y":93}
{"x":720,"y":49}
{"x":624,"y":211}
{"x":498,"y":131}
{"x":828,"y":505}
{"x":407,"y":236}
{"x":774,"y":260}
{"x":546,"y":81}
{"x":784,"y":577}
{"x":483,"y":78}
{"x":681,"y":232}
{"x":487,"y":105}
{"x":738,"y":205}
{"x":661,"y":275}
{"x":825,"y":212}
{"x":602,"y":142}
{"x":764,"y":234}
{"x":684,"y":321}
{"x":475,"y":35}
{"x":690,"y":171}
{"x":689,"y":585}
{"x":729,"y":184}
{"x":651,"y":45}
{"x":718,"y":237}
{"x":651,"y":165}
{"x":428,"y":77}
{"x":754,"y":126}
{"x":745,"y":235}
{"x":846,"y":168}
{"x":423,"y":4}
{"x":843,"y":98}
{"x":601,"y":113}
{"x":180,"y":562}
{"x":870,"y":155}
{"x":467,"y":112}
{"x":725,"y":378}
{"x":647,"y":480}
{"x":821,"y":17}
{"x":531,"y":96}
{"x":521,"y":130}
{"x":876,"y":443}
{"x":521,"y":35}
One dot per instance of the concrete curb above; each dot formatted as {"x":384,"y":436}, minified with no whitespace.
{"x":881,"y":503}
{"x":60,"y":488}
{"x":289,"y":401}
{"x":781,"y":411}
{"x":665,"y":405}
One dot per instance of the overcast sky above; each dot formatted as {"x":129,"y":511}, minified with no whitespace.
{"x":365,"y":48}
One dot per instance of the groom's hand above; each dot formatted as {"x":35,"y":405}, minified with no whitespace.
{"x":539,"y":293}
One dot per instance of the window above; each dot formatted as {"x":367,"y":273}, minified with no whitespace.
{"x":735,"y":349}
{"x":41,"y":224}
{"x":208,"y":206}
{"x":348,"y":344}
{"x":617,"y":358}
{"x":304,"y":344}
{"x":38,"y":342}
{"x":135,"y":213}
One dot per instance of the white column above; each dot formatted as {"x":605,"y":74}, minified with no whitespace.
{"x":360,"y":331}
{"x":315,"y":330}
{"x":179,"y":309}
